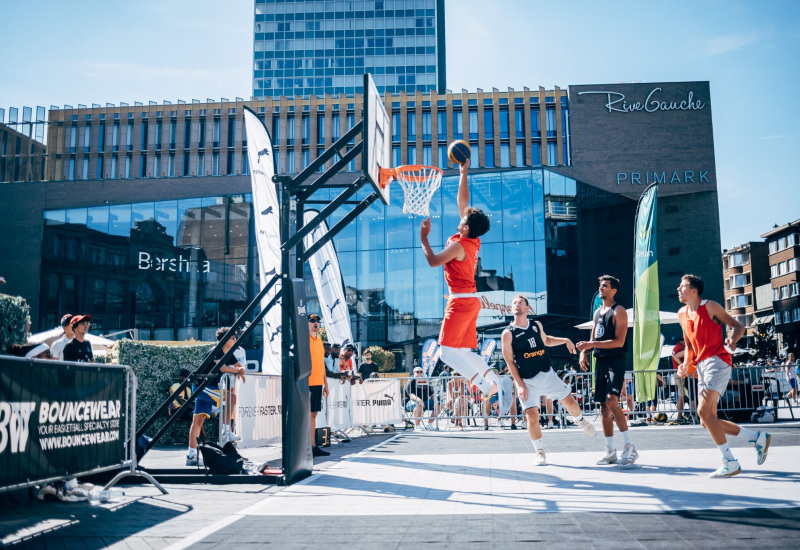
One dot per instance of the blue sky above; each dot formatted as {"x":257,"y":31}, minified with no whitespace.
{"x":98,"y":51}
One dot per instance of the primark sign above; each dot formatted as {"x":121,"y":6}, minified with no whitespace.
{"x":669,"y":177}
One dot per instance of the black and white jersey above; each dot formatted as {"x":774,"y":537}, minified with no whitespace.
{"x":530,"y":354}
{"x":605,"y":329}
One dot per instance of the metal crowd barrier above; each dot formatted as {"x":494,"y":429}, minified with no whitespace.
{"x":456,"y":402}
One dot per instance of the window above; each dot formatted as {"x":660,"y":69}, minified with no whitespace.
{"x":787,"y":316}
{"x":231,"y":131}
{"x":793,"y":264}
{"x":773,"y":247}
{"x":306,"y":130}
{"x":201,"y":163}
{"x":473,"y":125}
{"x":73,"y":137}
{"x":794,"y":289}
{"x":443,"y":157}
{"x":488,"y":125}
{"x":782,"y":268}
{"x":426,"y":126}
{"x":185,"y":164}
{"x":489,"y":152}
{"x":172,"y":131}
{"x":396,"y":127}
{"x":245,"y":164}
{"x":742,"y":300}
{"x":784,"y":292}
{"x":115,"y":138}
{"x":128,"y":166}
{"x":519,"y":125}
{"x":426,"y":155}
{"x":412,"y":125}
{"x":781,"y":243}
{"x":396,"y":156}
{"x":458,"y":124}
{"x":276,"y":131}
{"x":143,"y":166}
{"x":739,"y":280}
{"x":773,"y":270}
{"x":412,"y":154}
{"x":201,"y":134}
{"x":505,"y":155}
{"x":85,"y":171}
{"x":503,"y":124}
{"x":739,"y":258}
{"x":214,"y":164}
{"x":335,"y":127}
{"x":796,"y":314}
{"x":101,"y":138}
{"x":87,"y":134}
{"x":215,"y":137}
{"x":290,"y":130}
{"x":520,"y":154}
{"x":441,"y":125}
{"x":114,"y":167}
{"x":536,"y":154}
{"x":778,"y":318}
{"x":99,"y":168}
{"x":552,"y":154}
{"x":551,"y":122}
{"x":158,"y":134}
{"x":290,"y":161}
{"x":776,"y":294}
{"x":535,"y":130}
{"x":791,"y":240}
{"x":157,"y":166}
{"x":320,"y":129}
{"x":171,"y":165}
{"x":71,"y":174}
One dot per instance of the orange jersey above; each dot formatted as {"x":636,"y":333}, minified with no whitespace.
{"x":317,"y":377}
{"x":702,"y":335}
{"x":460,"y":274}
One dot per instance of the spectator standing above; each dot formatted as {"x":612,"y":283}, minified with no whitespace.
{"x":367,"y":367}
{"x":346,"y":364}
{"x":791,"y":374}
{"x":57,"y":349}
{"x":317,"y":381}
{"x":79,"y":349}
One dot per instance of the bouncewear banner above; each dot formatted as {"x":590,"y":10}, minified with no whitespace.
{"x":258,"y":410}
{"x":59,"y":419}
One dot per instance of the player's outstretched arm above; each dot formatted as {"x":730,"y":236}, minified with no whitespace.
{"x":463,"y":190}
{"x":551,"y":341}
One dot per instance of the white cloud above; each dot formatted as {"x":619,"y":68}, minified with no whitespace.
{"x":733,"y":42}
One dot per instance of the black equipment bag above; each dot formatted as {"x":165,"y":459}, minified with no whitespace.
{"x":221,"y":460}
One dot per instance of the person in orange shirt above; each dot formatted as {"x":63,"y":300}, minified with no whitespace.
{"x":459,"y":335}
{"x":317,"y":382}
{"x":701,"y":321}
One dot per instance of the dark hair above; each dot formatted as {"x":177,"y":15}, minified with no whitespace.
{"x":527,"y":303}
{"x":695,"y":282}
{"x":477,"y":221}
{"x":183,"y":373}
{"x":221,"y":331}
{"x":611,"y":280}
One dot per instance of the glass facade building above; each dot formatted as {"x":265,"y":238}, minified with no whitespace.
{"x":317,"y":47}
{"x":179,"y":269}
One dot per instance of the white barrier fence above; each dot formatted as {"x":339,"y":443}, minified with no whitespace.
{"x":258,"y":406}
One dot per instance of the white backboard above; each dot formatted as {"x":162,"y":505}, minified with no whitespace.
{"x":377,"y":152}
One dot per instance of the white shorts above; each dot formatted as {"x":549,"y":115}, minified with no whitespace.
{"x":547,"y":384}
{"x":713,"y":374}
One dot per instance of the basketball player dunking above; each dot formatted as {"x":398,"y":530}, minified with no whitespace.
{"x":459,"y":335}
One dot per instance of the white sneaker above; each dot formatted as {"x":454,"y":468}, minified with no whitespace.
{"x":587,"y":427}
{"x":541,"y":458}
{"x":433,"y":428}
{"x":419,"y":428}
{"x":232,"y":436}
{"x":610,"y":458}
{"x":629,"y":456}
{"x":550,"y":425}
{"x":196,"y":460}
{"x":729,"y":468}
{"x":762,"y":446}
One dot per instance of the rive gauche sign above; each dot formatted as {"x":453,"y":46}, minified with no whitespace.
{"x":616,"y":102}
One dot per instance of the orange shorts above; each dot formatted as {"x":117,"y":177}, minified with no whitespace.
{"x":458,"y":325}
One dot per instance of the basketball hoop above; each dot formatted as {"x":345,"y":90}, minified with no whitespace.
{"x":419,"y":183}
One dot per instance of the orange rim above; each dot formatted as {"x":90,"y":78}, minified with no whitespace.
{"x":386,"y":175}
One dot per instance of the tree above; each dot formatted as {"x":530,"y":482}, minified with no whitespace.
{"x":384,"y":359}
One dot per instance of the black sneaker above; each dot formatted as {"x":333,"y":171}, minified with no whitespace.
{"x":513,"y":426}
{"x":316,"y":451}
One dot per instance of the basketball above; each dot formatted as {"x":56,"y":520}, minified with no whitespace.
{"x":459,"y":152}
{"x":660,"y":417}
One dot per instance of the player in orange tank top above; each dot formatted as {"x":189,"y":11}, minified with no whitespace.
{"x":701,"y":321}
{"x":459,"y":334}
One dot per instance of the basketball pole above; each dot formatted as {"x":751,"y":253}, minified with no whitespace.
{"x":295,"y":411}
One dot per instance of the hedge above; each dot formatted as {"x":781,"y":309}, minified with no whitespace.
{"x":14,"y":317}
{"x":156,"y":367}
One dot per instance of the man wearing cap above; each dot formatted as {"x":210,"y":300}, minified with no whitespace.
{"x":346,"y":363}
{"x":57,"y":349}
{"x":317,"y":381}
{"x":79,"y":349}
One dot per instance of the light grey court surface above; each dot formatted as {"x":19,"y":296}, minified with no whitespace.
{"x":474,"y":488}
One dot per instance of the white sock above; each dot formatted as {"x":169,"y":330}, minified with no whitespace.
{"x":492,"y":377}
{"x":726,"y":451}
{"x":577,"y":418}
{"x":537,"y":444}
{"x":192,"y":452}
{"x":483,"y":385}
{"x":610,"y":443}
{"x":747,"y":434}
{"x":626,"y":437}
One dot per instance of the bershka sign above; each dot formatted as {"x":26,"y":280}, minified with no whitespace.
{"x":616,"y":102}
{"x":180,"y":264}
{"x":496,"y":304}
{"x":58,"y":420}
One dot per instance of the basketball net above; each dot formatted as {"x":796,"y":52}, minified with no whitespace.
{"x":419,"y":183}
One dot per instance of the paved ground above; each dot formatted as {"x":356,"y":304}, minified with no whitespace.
{"x":464,"y":489}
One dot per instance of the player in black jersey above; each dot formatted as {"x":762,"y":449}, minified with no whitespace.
{"x":608,"y":341}
{"x":524,"y":349}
